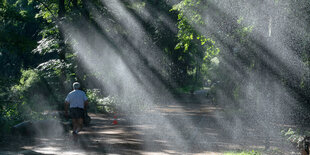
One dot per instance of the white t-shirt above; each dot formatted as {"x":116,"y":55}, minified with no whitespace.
{"x":76,"y":98}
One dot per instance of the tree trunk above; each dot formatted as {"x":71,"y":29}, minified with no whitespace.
{"x":85,"y":11}
{"x":74,"y":2}
{"x":61,"y":13}
{"x":62,"y":9}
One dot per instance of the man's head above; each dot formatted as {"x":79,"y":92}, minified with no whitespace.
{"x":76,"y":85}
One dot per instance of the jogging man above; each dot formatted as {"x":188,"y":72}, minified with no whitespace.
{"x":78,"y":102}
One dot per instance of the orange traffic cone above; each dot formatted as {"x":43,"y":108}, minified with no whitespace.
{"x":115,"y":119}
{"x":114,"y":122}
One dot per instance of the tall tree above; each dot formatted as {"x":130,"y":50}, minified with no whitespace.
{"x":62,"y":9}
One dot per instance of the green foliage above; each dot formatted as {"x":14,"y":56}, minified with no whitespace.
{"x":18,"y":34}
{"x":20,"y":105}
{"x":48,"y":10}
{"x":57,"y":78}
{"x":29,"y":36}
{"x":197,"y":50}
{"x":112,"y":104}
{"x":34,"y":76}
{"x":9,"y":116}
{"x":136,"y":5}
{"x":25,"y":93}
{"x":93,"y":96}
{"x":49,"y":43}
{"x":99,"y":103}
{"x":188,"y":16}
{"x":295,"y":136}
{"x":42,"y":88}
{"x":27,"y":80}
{"x":107,"y":104}
{"x":54,"y":68}
{"x":186,"y":89}
{"x":242,"y":32}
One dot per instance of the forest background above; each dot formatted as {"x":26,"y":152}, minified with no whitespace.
{"x":202,"y":49}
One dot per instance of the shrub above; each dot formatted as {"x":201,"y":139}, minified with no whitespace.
{"x":38,"y":90}
{"x":9,"y":116}
{"x":295,"y":136}
{"x":99,"y":103}
{"x":31,"y":94}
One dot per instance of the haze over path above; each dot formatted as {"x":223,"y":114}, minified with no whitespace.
{"x":130,"y":137}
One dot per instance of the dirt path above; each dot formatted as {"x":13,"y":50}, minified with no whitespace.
{"x":176,"y":128}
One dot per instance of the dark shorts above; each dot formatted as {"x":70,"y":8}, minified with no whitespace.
{"x":76,"y":113}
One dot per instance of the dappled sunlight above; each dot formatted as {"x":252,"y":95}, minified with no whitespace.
{"x":121,"y":77}
{"x":266,"y":99}
{"x":170,"y":77}
{"x":129,"y":73}
{"x":51,"y":150}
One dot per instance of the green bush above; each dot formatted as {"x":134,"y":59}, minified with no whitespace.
{"x":107,"y":104}
{"x":110,"y":104}
{"x":38,"y":90}
{"x":295,"y":136}
{"x":9,"y":116}
{"x":24,"y":93}
{"x":31,"y":94}
{"x":27,"y":83}
{"x":99,"y":103}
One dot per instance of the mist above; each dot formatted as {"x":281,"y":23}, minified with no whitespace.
{"x":254,"y":74}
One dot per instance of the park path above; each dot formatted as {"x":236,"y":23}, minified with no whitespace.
{"x":189,"y":127}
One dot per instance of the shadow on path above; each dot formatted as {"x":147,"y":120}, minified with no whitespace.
{"x":199,"y":126}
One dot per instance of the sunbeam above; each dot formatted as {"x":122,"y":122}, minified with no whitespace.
{"x":157,"y":77}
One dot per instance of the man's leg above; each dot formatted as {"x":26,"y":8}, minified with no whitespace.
{"x":74,"y":124}
{"x":79,"y":124}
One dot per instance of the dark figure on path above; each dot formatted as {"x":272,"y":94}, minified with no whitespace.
{"x":78,"y":102}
